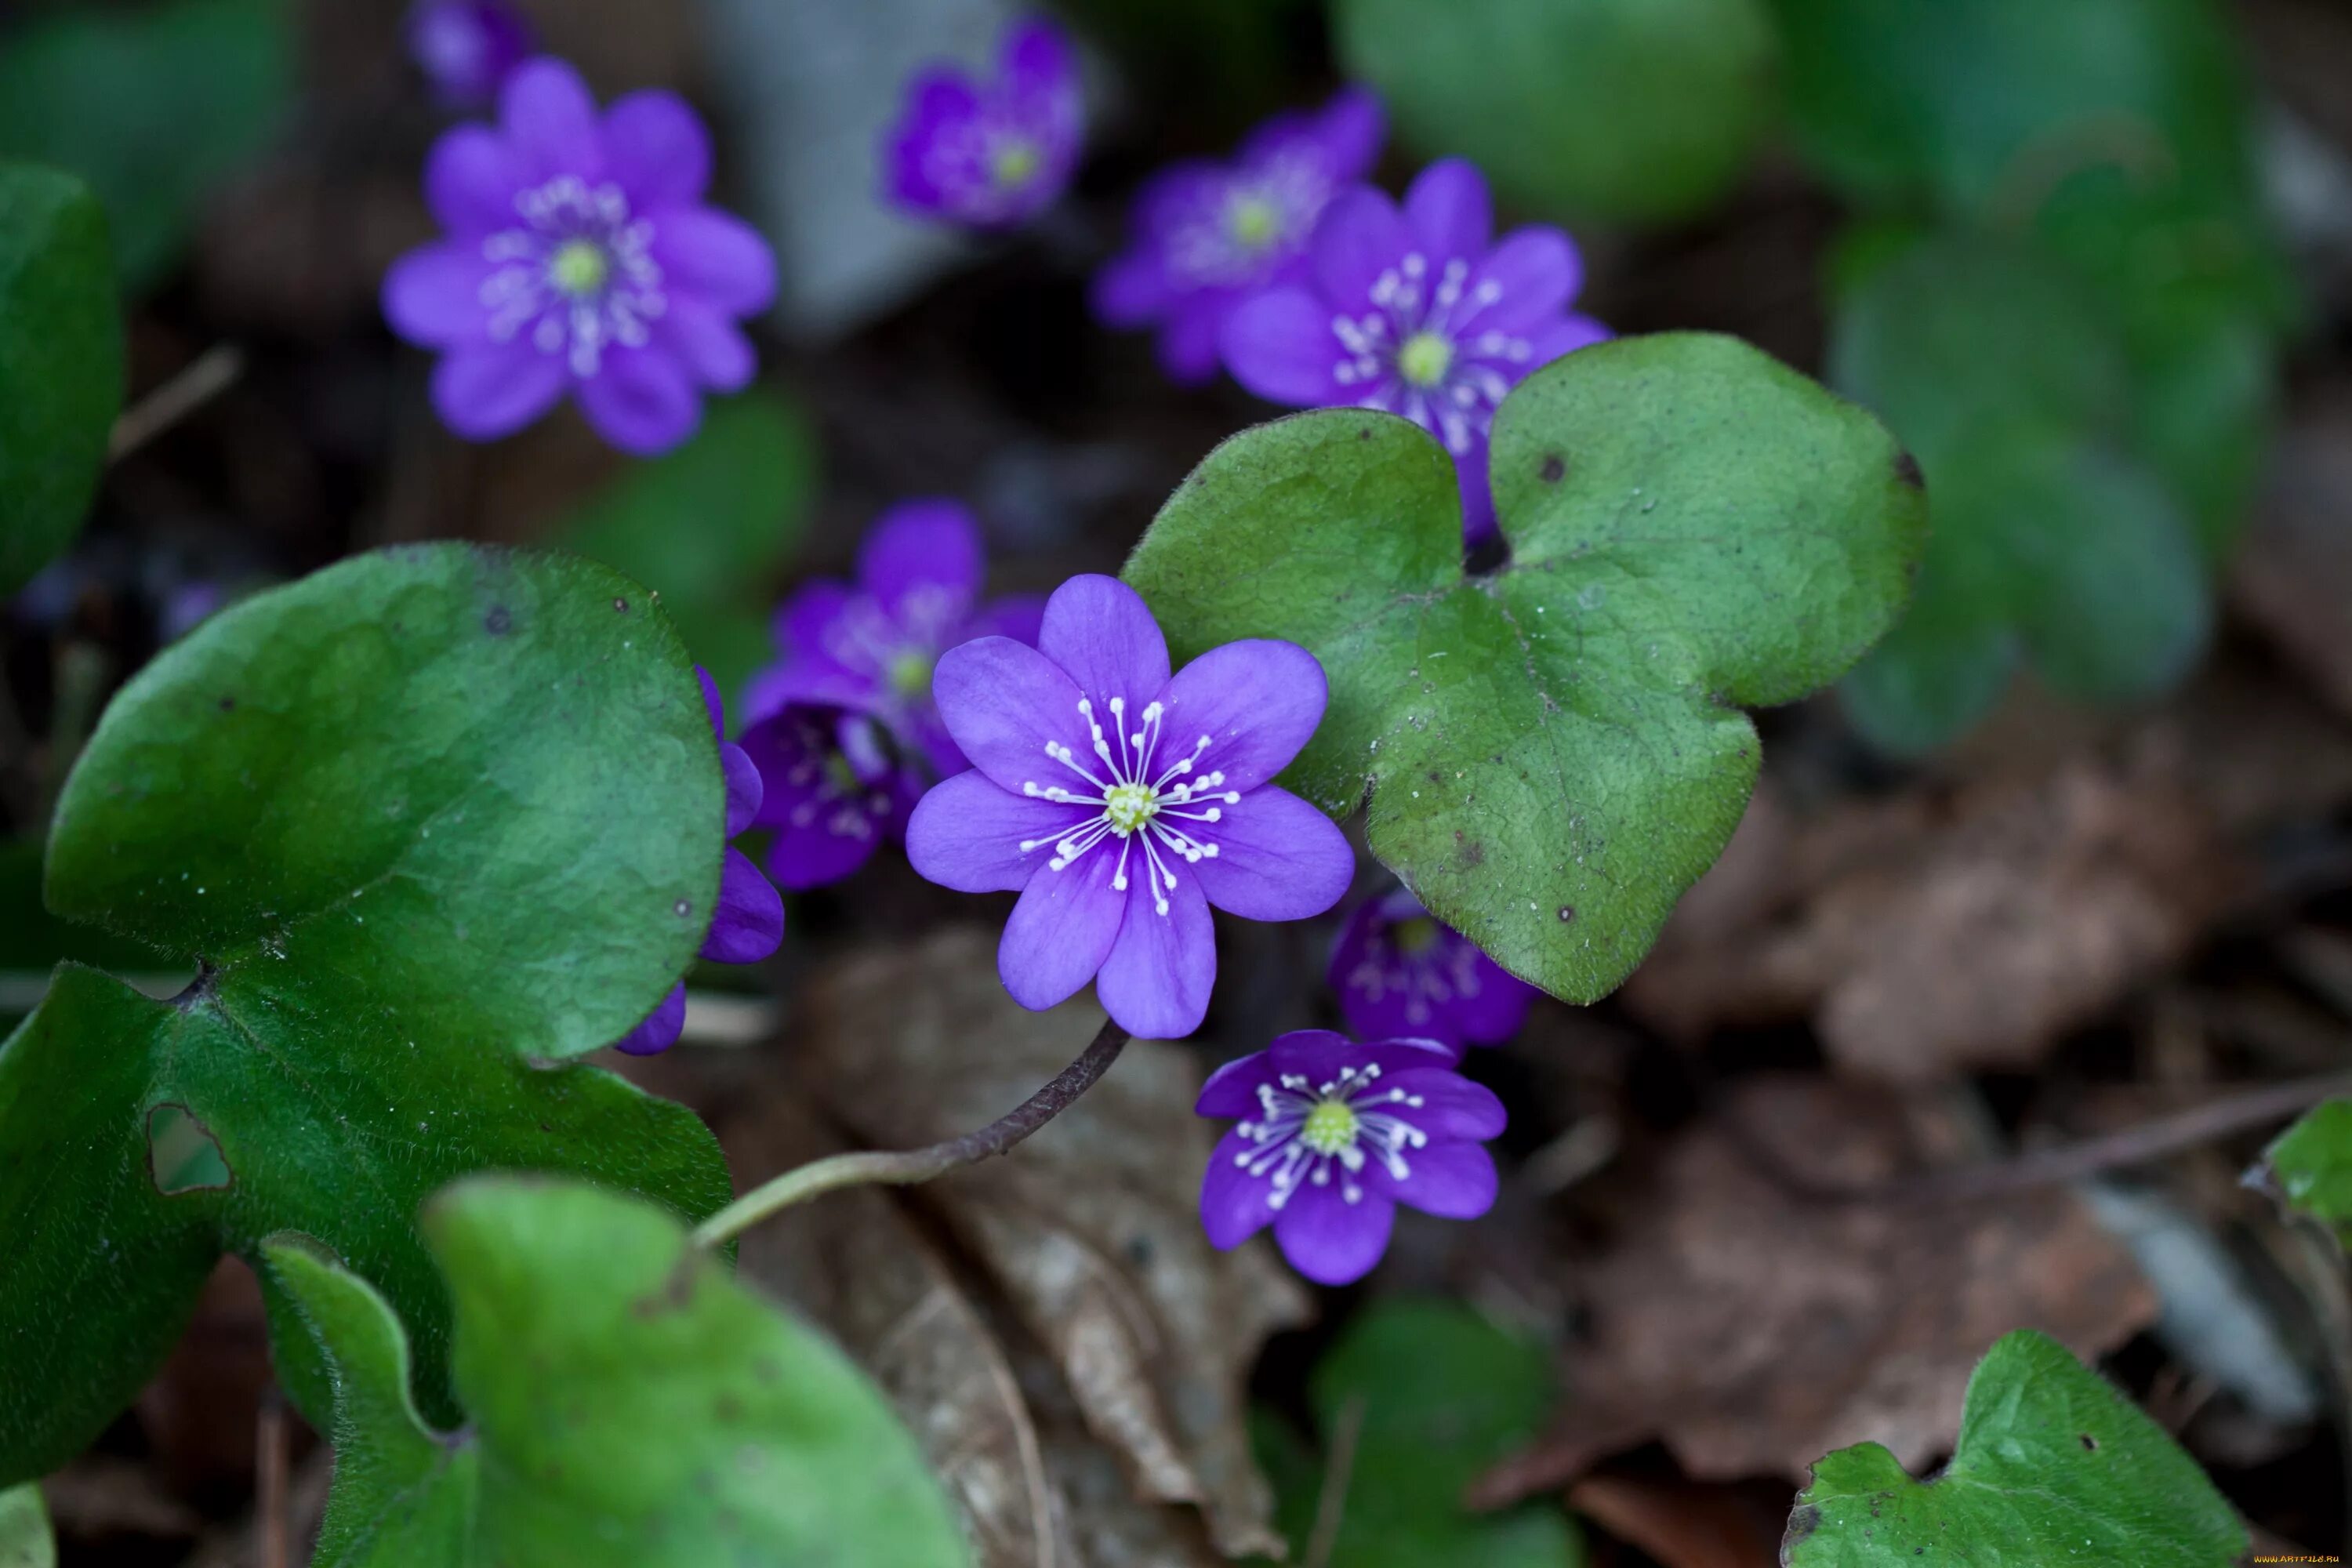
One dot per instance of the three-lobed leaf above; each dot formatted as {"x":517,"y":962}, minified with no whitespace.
{"x":426,"y":823}
{"x":60,"y":362}
{"x":1555,"y":750}
{"x":628,"y":1405}
{"x":2053,"y":1465}
{"x":2310,"y":1167}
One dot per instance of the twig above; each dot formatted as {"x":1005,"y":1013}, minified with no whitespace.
{"x":906,"y":1167}
{"x":2137,"y":1145}
{"x":202,"y":379}
{"x":1331,"y":1500}
{"x":270,"y":1481}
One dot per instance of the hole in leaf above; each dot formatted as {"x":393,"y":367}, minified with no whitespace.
{"x":182,"y":1156}
{"x":2090,"y":1443}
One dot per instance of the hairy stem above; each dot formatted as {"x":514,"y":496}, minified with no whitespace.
{"x":905,"y":1167}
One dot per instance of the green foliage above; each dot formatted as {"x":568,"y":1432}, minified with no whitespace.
{"x":425,"y":823}
{"x":708,"y":526}
{"x":155,"y":106}
{"x":60,"y":362}
{"x":628,"y":1407}
{"x":2053,"y":1466}
{"x":24,"y":1540}
{"x":2310,"y":1167}
{"x":1421,"y":1396}
{"x":1555,"y":750}
{"x":1614,"y":109}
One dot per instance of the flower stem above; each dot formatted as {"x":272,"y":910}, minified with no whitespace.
{"x":905,"y":1167}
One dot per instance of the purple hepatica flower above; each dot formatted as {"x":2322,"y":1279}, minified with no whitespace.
{"x":1121,"y":803}
{"x":1417,"y":312}
{"x":1400,"y":973}
{"x":836,"y":791}
{"x":749,"y":924}
{"x":1208,"y":236}
{"x":871,"y":647}
{"x":580,"y":257}
{"x":467,"y":49}
{"x":989,"y":155}
{"x":1333,"y":1136}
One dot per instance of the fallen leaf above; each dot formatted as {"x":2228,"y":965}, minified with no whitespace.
{"x":1681,"y":1524}
{"x":1751,"y":1330}
{"x":2292,"y":576}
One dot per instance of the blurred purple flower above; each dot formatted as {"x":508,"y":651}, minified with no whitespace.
{"x":1333,"y":1136}
{"x":870,"y":648}
{"x":749,"y":924}
{"x":836,"y":791}
{"x":467,"y":49}
{"x":580,"y":259}
{"x":1121,"y":803}
{"x":988,"y":155}
{"x":186,"y":605}
{"x":1401,"y":973}
{"x":1207,"y":236}
{"x":1418,"y":312}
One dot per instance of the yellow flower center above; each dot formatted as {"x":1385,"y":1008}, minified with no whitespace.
{"x":1012,"y":162}
{"x":910,"y":673}
{"x":1130,"y":807}
{"x":1330,"y":1127}
{"x":579,"y":267}
{"x":1423,"y":359}
{"x":1254,"y":222}
{"x":1414,"y":937}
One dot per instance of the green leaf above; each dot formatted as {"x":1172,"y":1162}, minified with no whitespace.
{"x":1554,"y":750}
{"x":60,"y":363}
{"x":24,"y":1540}
{"x":2053,"y":1466}
{"x":426,"y":823}
{"x":708,"y":526}
{"x":1421,"y":1396}
{"x":156,"y":107}
{"x":628,"y":1407}
{"x":1614,"y":109}
{"x":2310,"y":1167}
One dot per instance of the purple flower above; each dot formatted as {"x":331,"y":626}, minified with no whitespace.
{"x":749,"y":924}
{"x":1208,"y":236}
{"x":989,"y":155}
{"x":1122,"y":802}
{"x":580,"y":259}
{"x":871,"y":647}
{"x":836,"y":791}
{"x":467,"y":49}
{"x":1334,"y":1135}
{"x":1417,"y":312}
{"x":1400,"y":972}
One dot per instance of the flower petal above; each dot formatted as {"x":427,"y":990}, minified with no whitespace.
{"x":1235,"y":1204}
{"x":1063,"y":926}
{"x":1232,"y":1089}
{"x":484,"y":390}
{"x":1564,"y":336}
{"x":1350,"y":129}
{"x":471,"y":178}
{"x":642,"y":401}
{"x":1277,"y":858}
{"x":1039,"y":71}
{"x":708,"y":345}
{"x":967,"y":832}
{"x":1359,"y":235}
{"x":1101,"y":635}
{"x":927,"y":550}
{"x":1330,"y":1240}
{"x":718,"y":256}
{"x":1531,"y":274}
{"x":1130,"y":290}
{"x":657,"y":150}
{"x":1452,"y":1106}
{"x":1494,"y":1012}
{"x":550,"y":119}
{"x":1280,"y":345}
{"x":660,"y":1032}
{"x":749,"y":924}
{"x":1449,"y":211}
{"x":1156,"y":983}
{"x":1319,"y":1055}
{"x":1257,"y":700}
{"x":1452,"y":1181}
{"x":433,"y":295}
{"x":1188,"y":344}
{"x":1478,"y":494}
{"x":1004,"y":702}
{"x":1016,"y":615}
{"x":802,"y":623}
{"x":745,"y":789}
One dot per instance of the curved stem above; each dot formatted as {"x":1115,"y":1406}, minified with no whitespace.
{"x":905,"y":1167}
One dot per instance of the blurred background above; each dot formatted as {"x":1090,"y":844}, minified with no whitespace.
{"x":2070,"y":855}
